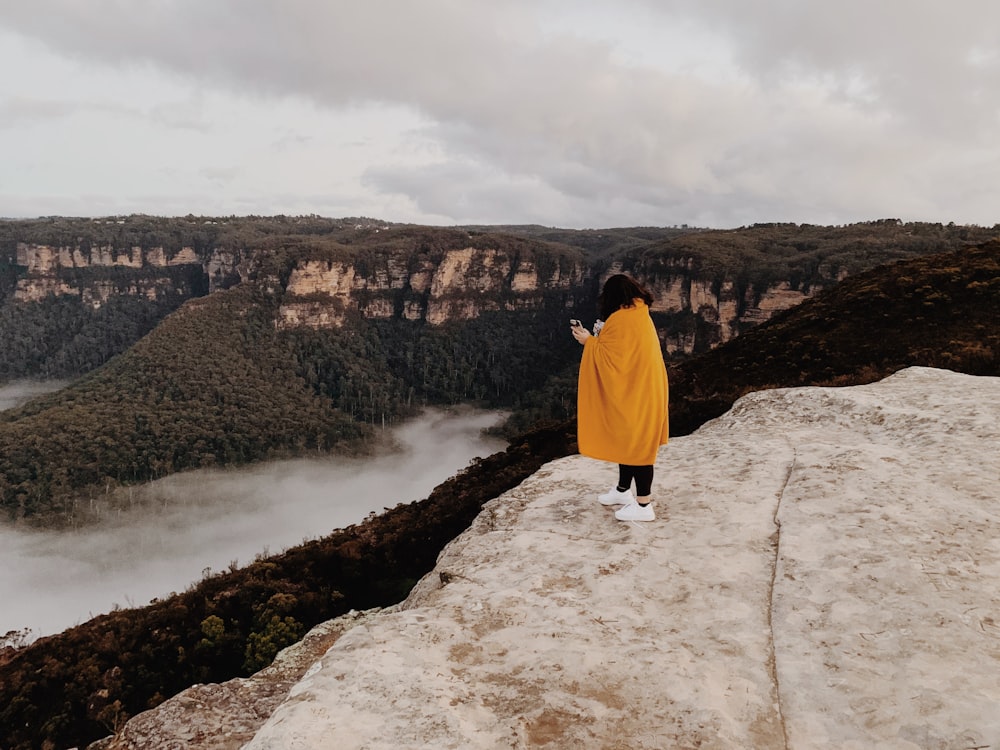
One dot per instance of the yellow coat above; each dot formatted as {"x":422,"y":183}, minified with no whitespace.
{"x":623,"y":392}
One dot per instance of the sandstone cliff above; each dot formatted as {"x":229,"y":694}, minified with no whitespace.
{"x":388,"y":282}
{"x":457,"y":284}
{"x":711,"y":285}
{"x":87,"y":271}
{"x":823,"y":573}
{"x":718,"y":306}
{"x":461,"y":284}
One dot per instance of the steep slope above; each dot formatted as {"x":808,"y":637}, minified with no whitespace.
{"x":941,"y":310}
{"x":209,"y":386}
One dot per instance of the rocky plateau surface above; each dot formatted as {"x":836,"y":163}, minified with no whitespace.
{"x":824,"y":572}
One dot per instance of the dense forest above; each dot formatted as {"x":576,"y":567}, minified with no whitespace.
{"x":60,"y":337}
{"x":215,"y":384}
{"x":204,"y":389}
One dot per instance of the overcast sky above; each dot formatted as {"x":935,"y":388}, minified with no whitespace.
{"x":576,"y":113}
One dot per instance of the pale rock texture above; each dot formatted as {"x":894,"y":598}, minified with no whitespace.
{"x":438,"y":287}
{"x":824,"y":573}
{"x":525,"y":277}
{"x":776,"y":298}
{"x":724,"y":307}
{"x":42,"y":259}
{"x":468,"y":270}
{"x":310,"y":314}
{"x":460,"y":284}
{"x":43,"y":264}
{"x":322,"y":277}
{"x":38,"y":288}
{"x":185,"y":256}
{"x":226,"y":267}
{"x":669,"y":295}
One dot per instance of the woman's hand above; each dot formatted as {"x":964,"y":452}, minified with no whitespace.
{"x":580,"y":333}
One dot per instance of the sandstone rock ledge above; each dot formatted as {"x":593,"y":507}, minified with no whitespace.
{"x":825,"y":573}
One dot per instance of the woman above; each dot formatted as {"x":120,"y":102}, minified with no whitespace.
{"x":622,"y":396}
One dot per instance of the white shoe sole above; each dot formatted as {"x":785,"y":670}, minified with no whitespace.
{"x":623,"y":500}
{"x":635,"y":514}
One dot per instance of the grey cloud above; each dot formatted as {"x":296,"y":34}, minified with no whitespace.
{"x":928,"y":62}
{"x":292,"y":140}
{"x":19,"y":110}
{"x":337,"y":52}
{"x":181,"y":116}
{"x":221,"y":175}
{"x":475,"y":193}
{"x":31,"y":205}
{"x":469,"y":193}
{"x":834,"y":109}
{"x":16,"y":111}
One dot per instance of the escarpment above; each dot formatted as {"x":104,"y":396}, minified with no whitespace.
{"x":708,"y":286}
{"x":453,"y":285}
{"x":718,"y":310}
{"x":95,"y":273}
{"x":462,"y":283}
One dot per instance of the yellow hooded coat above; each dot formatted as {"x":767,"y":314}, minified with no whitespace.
{"x":623,"y":392}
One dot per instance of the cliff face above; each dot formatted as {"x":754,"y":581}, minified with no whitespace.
{"x":718,"y":310}
{"x":461,"y":284}
{"x":719,"y":307}
{"x":455,"y":285}
{"x":710,"y":285}
{"x":95,"y":273}
{"x":437,"y":287}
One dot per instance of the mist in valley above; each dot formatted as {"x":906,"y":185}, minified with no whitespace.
{"x":17,"y":392}
{"x":184,"y":527}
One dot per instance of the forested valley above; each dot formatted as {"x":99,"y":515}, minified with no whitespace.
{"x":216,"y":385}
{"x":216,"y":382}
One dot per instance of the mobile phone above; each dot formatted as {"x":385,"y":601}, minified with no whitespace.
{"x":575,"y":323}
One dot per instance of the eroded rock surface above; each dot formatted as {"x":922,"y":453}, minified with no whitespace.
{"x":824,"y":573}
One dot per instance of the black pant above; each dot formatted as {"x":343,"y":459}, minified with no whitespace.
{"x":643,"y":476}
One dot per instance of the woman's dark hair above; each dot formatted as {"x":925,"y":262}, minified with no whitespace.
{"x":618,"y":292}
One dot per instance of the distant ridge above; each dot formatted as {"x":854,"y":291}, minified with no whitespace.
{"x":938,"y":311}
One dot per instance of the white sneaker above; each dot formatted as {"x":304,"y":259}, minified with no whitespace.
{"x":636,"y":512}
{"x":614,"y":497}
